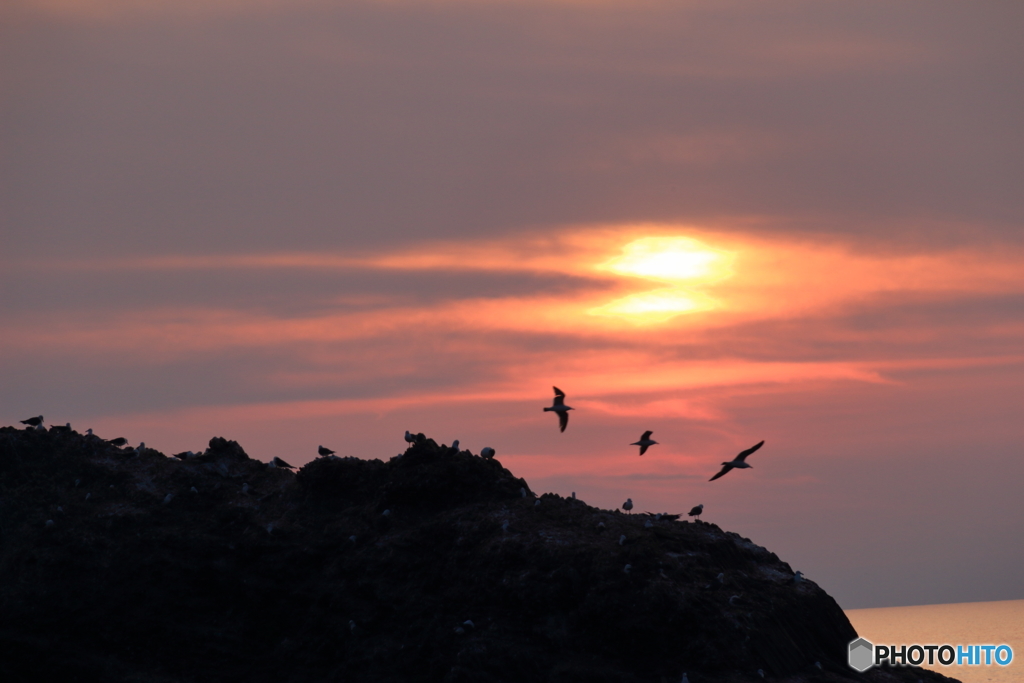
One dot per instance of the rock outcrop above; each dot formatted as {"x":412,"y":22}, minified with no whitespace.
{"x":438,"y":565}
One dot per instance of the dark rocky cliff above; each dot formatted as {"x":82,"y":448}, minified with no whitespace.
{"x":434,"y":566}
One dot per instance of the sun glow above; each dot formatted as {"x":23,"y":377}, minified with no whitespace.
{"x":675,"y":260}
{"x":672,"y":259}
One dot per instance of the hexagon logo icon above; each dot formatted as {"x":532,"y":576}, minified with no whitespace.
{"x":861,"y":655}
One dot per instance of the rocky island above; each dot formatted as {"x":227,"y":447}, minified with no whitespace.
{"x":126,"y":565}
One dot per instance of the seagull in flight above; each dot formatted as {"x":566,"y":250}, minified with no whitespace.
{"x":644,"y":442}
{"x":324,"y":451}
{"x":559,"y":407}
{"x":738,"y":462}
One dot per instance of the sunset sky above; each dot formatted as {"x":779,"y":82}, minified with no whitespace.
{"x":302,"y":222}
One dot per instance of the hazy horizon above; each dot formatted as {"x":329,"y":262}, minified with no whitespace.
{"x":303,"y":223}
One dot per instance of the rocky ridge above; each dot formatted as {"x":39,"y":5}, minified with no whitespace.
{"x":438,"y":565}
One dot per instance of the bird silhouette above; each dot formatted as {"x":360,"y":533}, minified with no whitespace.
{"x":644,"y":442}
{"x":738,"y":462}
{"x":559,"y":407}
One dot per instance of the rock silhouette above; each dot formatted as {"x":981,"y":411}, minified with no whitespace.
{"x":220,"y":568}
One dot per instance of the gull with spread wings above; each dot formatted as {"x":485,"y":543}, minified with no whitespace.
{"x":645,"y":442}
{"x":738,"y":462}
{"x":559,"y":407}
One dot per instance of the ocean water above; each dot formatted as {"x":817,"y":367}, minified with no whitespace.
{"x":966,"y":623}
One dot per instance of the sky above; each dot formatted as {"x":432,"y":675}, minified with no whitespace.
{"x":293,"y":223}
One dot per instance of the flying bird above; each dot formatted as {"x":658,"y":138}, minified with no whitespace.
{"x":644,"y":442}
{"x":36,"y":421}
{"x":559,"y":407}
{"x":278,"y":462}
{"x":738,"y":462}
{"x":696,"y":511}
{"x":324,"y":451}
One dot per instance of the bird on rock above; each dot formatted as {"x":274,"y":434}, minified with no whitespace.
{"x":739,"y":462}
{"x":559,"y":407}
{"x":644,"y":442}
{"x":628,"y":505}
{"x":696,"y":510}
{"x":278,"y":462}
{"x":324,"y":451}
{"x":33,"y":421}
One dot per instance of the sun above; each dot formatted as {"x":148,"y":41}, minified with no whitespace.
{"x":672,"y":259}
{"x":682,"y":262}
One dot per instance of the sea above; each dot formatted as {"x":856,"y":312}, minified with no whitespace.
{"x":965,"y":623}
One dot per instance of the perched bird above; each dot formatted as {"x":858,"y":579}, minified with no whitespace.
{"x":33,"y":421}
{"x":119,"y":442}
{"x":559,"y":407}
{"x":455,"y":444}
{"x":628,"y":505}
{"x":278,"y":462}
{"x":324,"y":451}
{"x":696,"y":511}
{"x":141,"y":448}
{"x":409,"y":438}
{"x":644,"y":442}
{"x":738,"y":462}
{"x":798,"y":577}
{"x":487,"y":452}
